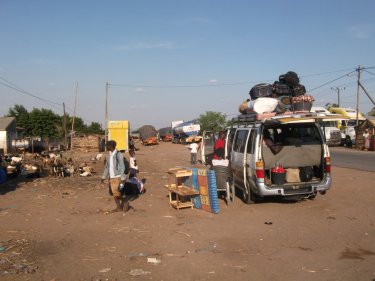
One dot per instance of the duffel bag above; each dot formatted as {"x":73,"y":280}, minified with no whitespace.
{"x":281,"y":89}
{"x":298,"y":90}
{"x":263,"y":90}
{"x":290,"y":78}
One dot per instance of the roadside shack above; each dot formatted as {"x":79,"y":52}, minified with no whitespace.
{"x":368,"y":124}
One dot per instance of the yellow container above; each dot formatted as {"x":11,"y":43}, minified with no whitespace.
{"x":119,"y":132}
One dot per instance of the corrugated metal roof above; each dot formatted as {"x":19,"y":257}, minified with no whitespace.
{"x":5,"y":122}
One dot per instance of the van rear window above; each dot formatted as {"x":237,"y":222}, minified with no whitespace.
{"x":293,"y":134}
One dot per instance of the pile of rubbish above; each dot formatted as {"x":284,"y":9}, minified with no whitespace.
{"x":15,"y":257}
{"x":14,"y":165}
{"x":284,"y":95}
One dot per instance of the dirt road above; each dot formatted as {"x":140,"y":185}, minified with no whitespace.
{"x":59,"y":229}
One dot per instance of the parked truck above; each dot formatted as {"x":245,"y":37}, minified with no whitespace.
{"x":148,"y":135}
{"x":329,"y":125}
{"x":165,"y":134}
{"x":185,"y":132}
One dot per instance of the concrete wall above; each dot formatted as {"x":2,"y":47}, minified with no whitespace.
{"x":3,"y":142}
{"x":6,"y":138}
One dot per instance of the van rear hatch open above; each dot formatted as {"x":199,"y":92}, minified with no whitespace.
{"x":296,"y":145}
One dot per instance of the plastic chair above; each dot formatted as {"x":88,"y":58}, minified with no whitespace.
{"x":224,"y":181}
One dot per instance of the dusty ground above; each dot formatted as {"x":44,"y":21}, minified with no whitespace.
{"x":59,"y":229}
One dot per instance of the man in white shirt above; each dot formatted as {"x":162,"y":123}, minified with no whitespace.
{"x":115,"y":170}
{"x":194,"y":147}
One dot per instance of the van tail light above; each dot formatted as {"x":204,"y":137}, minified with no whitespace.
{"x":260,"y":169}
{"x":327,"y":165}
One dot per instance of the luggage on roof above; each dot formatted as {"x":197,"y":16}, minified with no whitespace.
{"x":290,"y":78}
{"x":262,"y":90}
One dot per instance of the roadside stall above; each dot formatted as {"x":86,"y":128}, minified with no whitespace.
{"x":369,"y":125}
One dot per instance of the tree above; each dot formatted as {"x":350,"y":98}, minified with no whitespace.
{"x":372,"y":112}
{"x":22,"y":117}
{"x":43,"y":123}
{"x":212,"y":121}
{"x":95,"y":128}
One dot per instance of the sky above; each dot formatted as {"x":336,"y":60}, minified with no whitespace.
{"x":167,"y":60}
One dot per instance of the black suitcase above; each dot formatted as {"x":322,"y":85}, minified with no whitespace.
{"x":298,"y":90}
{"x":263,"y":90}
{"x":281,"y":89}
{"x":290,"y":78}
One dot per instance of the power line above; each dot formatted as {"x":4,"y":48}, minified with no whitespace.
{"x":185,"y":86}
{"x":324,"y":73}
{"x":19,"y":89}
{"x":369,"y":72}
{"x":329,"y":82}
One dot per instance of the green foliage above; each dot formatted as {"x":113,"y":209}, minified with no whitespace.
{"x":47,"y":124}
{"x":212,"y":121}
{"x":22,"y":117}
{"x":95,"y":128}
{"x":43,"y":123}
{"x":372,"y":112}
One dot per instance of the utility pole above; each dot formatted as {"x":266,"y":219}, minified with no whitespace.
{"x":337,"y":89}
{"x":74,"y":116}
{"x":106,"y":113}
{"x":64,"y":127}
{"x":358,"y":83}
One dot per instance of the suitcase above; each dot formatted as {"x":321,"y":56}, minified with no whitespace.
{"x":298,"y":90}
{"x":290,"y":78}
{"x":281,"y":89}
{"x":263,"y":90}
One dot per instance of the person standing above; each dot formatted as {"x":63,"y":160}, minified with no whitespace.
{"x":366,"y":136}
{"x":193,"y":152}
{"x":219,"y":146}
{"x":133,"y":165}
{"x":115,"y":170}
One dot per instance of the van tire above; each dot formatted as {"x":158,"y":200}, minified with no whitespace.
{"x":249,"y":198}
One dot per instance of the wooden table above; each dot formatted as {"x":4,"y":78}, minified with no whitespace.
{"x":176,"y":186}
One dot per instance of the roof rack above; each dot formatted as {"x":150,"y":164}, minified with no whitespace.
{"x":252,"y":118}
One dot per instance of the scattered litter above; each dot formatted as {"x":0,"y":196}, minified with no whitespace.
{"x":308,"y":270}
{"x":13,"y":258}
{"x":104,"y":270}
{"x":136,"y":255}
{"x":183,"y":233}
{"x":110,"y":249}
{"x":138,"y":272}
{"x":153,"y":260}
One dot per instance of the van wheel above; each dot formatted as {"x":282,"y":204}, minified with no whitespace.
{"x":312,"y":197}
{"x":249,"y":198}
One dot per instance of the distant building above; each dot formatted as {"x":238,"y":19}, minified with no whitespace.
{"x":8,"y":133}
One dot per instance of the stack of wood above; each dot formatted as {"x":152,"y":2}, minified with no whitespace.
{"x":86,"y":143}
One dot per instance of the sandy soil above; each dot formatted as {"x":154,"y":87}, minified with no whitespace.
{"x":60,"y":229}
